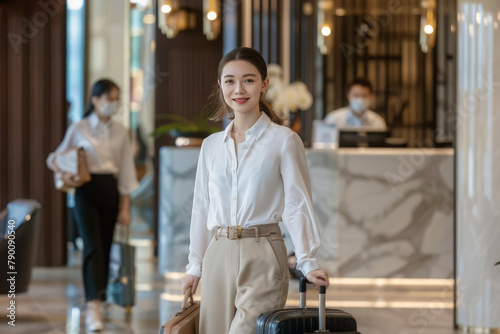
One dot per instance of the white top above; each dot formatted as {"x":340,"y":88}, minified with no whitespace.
{"x":107,"y":147}
{"x":269,"y":184}
{"x":344,"y":118}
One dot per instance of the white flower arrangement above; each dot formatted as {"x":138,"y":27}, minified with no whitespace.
{"x":284,"y":97}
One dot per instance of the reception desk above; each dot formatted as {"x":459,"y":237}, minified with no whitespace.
{"x":383,"y":213}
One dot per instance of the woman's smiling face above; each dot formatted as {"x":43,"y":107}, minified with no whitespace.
{"x":242,"y":85}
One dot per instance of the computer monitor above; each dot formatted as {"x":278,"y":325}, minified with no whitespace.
{"x":357,"y":137}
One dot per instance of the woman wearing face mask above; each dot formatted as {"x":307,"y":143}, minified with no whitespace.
{"x":357,"y":113}
{"x":104,"y":200}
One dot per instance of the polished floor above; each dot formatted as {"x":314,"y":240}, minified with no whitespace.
{"x":55,"y":304}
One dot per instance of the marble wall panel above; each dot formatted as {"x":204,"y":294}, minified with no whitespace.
{"x":397,"y":209}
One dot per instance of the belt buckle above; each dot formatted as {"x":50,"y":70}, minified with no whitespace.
{"x":234,"y":232}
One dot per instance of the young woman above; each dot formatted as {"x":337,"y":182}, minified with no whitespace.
{"x":249,"y":178}
{"x":103,"y":201}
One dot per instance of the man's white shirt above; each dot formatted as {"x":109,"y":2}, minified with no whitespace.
{"x":345,"y":118}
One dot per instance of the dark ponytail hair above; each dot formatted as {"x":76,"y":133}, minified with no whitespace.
{"x":103,"y":86}
{"x":217,"y":103}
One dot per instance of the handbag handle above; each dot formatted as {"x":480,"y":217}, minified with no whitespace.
{"x":123,"y":234}
{"x":188,"y":297}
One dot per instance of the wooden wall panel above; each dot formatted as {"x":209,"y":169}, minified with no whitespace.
{"x":268,"y":38}
{"x":257,"y":25}
{"x":57,"y":102}
{"x":33,"y":115}
{"x":16,"y":105}
{"x":3,"y":105}
{"x":303,"y":51}
{"x":274,"y":31}
{"x":266,"y":29}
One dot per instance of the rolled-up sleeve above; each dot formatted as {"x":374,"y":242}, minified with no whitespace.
{"x":127,"y":177}
{"x":298,"y":215}
{"x":200,"y":236}
{"x":65,"y":145}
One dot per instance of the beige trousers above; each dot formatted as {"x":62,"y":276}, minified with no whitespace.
{"x":242,"y":279}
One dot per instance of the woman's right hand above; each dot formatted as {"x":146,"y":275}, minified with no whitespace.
{"x":318,"y":277}
{"x":70,"y":180}
{"x":190,"y":281}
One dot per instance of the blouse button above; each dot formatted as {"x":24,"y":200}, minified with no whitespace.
{"x":234,"y":172}
{"x":233,"y":214}
{"x":245,"y":147}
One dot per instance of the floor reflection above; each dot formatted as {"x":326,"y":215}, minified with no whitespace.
{"x":55,"y":302}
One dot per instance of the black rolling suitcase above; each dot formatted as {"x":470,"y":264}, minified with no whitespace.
{"x":307,"y":320}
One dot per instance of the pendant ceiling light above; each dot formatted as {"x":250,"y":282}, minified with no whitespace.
{"x":325,"y":26}
{"x":211,"y":19}
{"x":172,"y":18}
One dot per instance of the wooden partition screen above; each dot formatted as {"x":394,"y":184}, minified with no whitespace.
{"x":380,"y":40}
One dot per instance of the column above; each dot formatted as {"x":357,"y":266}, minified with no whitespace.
{"x":478,"y":167}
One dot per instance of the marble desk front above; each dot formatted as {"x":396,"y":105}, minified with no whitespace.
{"x":383,"y":213}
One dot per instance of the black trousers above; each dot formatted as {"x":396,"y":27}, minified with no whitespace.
{"x":96,"y":212}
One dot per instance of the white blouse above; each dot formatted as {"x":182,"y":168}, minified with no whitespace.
{"x":108,"y":149}
{"x":267,"y":183}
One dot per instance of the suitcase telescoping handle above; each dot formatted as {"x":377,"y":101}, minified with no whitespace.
{"x":322,"y":301}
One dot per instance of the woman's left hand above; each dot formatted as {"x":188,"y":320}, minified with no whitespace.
{"x":124,"y":217}
{"x":318,"y":278}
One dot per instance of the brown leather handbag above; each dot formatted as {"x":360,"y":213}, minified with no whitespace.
{"x":186,"y":320}
{"x":73,"y":161}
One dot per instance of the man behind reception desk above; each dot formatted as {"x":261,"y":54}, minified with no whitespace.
{"x":357,"y":113}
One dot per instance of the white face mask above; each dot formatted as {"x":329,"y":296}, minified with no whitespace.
{"x":110,"y":109}
{"x":359,"y":104}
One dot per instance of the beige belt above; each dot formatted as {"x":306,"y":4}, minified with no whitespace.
{"x":237,"y":232}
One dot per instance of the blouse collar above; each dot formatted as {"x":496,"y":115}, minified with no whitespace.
{"x":94,"y":121}
{"x":257,"y":130}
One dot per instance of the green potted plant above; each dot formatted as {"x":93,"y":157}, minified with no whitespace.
{"x":183,"y":129}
